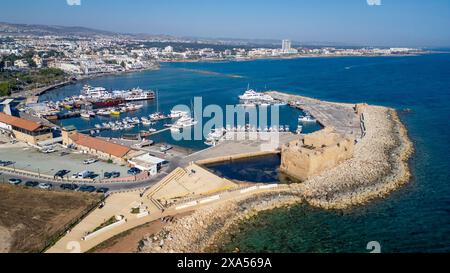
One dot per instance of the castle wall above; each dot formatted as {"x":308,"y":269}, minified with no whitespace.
{"x":311,"y":156}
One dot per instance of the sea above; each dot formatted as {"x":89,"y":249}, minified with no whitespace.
{"x":414,"y":218}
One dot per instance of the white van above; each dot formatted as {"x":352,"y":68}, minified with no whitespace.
{"x":84,"y":174}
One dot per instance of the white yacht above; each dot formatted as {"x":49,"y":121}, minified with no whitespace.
{"x":177,"y":114}
{"x":252,"y":95}
{"x":307,"y":119}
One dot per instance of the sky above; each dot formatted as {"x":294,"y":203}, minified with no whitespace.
{"x":423,"y":23}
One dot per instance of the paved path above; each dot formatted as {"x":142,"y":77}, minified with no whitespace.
{"x":241,"y":144}
{"x":120,"y":204}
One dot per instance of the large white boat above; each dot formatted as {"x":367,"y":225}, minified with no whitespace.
{"x":135,"y":94}
{"x":90,"y":92}
{"x":183,"y":122}
{"x":214,"y":136}
{"x":252,"y":95}
{"x":177,"y":114}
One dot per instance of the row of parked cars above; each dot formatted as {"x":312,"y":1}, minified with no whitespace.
{"x":68,"y":186}
{"x":6,"y":163}
{"x":31,"y":184}
{"x":86,"y":174}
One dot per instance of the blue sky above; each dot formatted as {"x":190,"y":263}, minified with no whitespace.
{"x":394,"y":22}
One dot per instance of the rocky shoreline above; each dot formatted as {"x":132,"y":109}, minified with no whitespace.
{"x":200,"y":231}
{"x":379,"y":166}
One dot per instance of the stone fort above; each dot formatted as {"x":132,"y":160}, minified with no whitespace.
{"x":315,"y":153}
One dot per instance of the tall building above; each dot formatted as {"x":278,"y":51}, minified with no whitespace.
{"x":286,"y":45}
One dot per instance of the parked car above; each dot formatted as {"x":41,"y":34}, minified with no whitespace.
{"x":6,"y":163}
{"x":109,"y":175}
{"x":70,"y":187}
{"x":48,"y":150}
{"x":102,"y":190}
{"x":61,"y":173}
{"x":86,"y":188}
{"x":89,"y":161}
{"x":45,"y":186}
{"x":15,"y":181}
{"x":31,"y":184}
{"x":134,"y":171}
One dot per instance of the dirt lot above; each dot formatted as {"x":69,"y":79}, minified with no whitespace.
{"x":31,"y":219}
{"x":128,"y":242}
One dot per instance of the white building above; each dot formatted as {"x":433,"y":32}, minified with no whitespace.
{"x":286,"y":47}
{"x":148,"y":163}
{"x":21,"y":64}
{"x":168,"y":49}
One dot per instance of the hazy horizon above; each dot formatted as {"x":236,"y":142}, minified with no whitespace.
{"x":411,"y":23}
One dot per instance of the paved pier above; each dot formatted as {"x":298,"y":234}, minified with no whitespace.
{"x":339,"y":116}
{"x":241,"y":145}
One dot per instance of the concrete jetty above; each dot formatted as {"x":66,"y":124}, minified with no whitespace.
{"x":241,"y":145}
{"x":341,"y":117}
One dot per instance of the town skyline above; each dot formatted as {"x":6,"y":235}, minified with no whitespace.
{"x":399,"y":23}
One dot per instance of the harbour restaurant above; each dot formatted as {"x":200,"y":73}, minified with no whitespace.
{"x":25,"y":130}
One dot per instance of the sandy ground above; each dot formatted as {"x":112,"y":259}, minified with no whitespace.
{"x":30,"y":218}
{"x":128,"y":242}
{"x":5,"y":240}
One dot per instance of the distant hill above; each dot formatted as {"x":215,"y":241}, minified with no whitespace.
{"x":20,"y":29}
{"x":10,"y":29}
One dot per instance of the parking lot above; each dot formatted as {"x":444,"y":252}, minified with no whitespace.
{"x":30,"y":159}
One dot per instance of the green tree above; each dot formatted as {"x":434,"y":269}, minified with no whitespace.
{"x":5,"y":89}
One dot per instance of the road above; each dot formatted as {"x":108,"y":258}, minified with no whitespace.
{"x":112,"y":186}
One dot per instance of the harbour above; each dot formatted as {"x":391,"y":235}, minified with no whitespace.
{"x":326,"y":114}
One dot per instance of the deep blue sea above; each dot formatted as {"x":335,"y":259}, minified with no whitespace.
{"x":415,"y":218}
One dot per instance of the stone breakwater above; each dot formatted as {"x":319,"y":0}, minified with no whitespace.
{"x":199,"y":231}
{"x":379,"y":165}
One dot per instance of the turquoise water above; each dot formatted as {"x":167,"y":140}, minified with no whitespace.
{"x":415,"y":218}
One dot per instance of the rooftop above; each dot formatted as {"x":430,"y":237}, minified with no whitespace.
{"x":100,"y":145}
{"x":20,"y":122}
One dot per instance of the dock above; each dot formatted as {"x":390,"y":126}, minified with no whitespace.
{"x":339,"y":116}
{"x":239,"y":146}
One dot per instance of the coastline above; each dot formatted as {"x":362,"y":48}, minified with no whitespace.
{"x":42,"y":90}
{"x":380,"y":166}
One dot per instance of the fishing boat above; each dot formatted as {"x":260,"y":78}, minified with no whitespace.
{"x":177,"y":114}
{"x":109,"y":102}
{"x":130,"y":137}
{"x":145,"y":133}
{"x":115,"y":113}
{"x":103,"y":112}
{"x":85,"y":115}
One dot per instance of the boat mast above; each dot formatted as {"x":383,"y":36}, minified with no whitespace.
{"x":157,"y":101}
